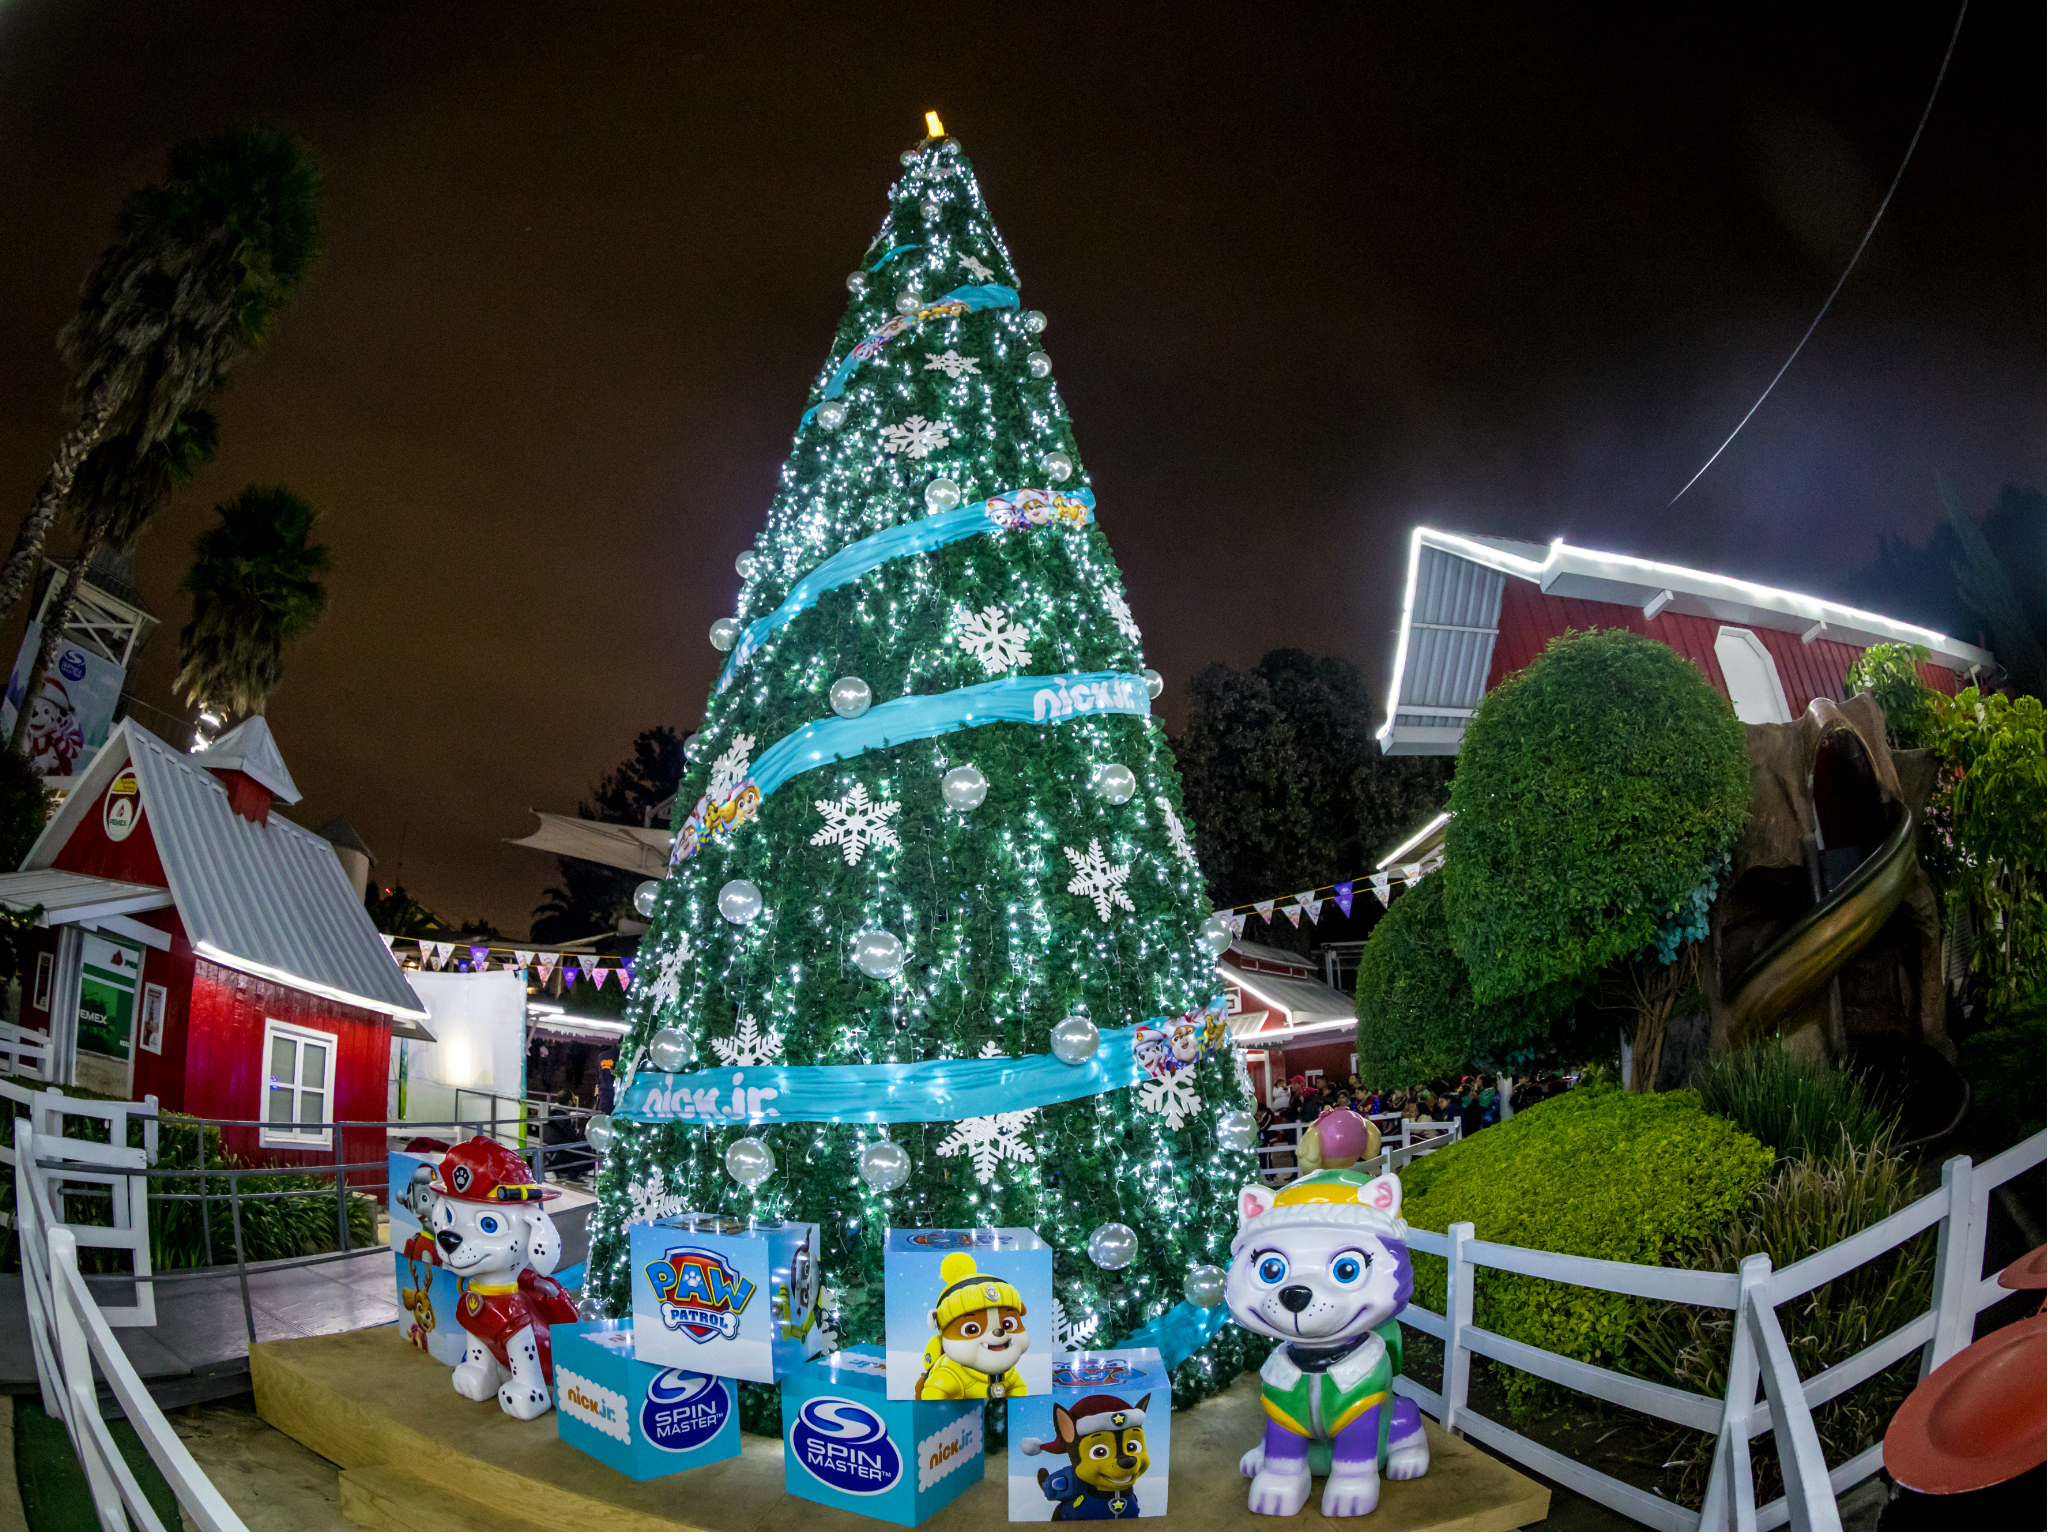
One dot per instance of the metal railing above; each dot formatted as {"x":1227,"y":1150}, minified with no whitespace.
{"x":1759,"y":1356}
{"x":1401,"y":1142}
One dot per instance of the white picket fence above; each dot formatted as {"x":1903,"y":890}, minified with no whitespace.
{"x":1759,"y":1354}
{"x":24,"y":1052}
{"x":1415,"y":1138}
{"x":69,"y":1333}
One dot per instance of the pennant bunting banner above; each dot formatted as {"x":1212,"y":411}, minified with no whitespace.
{"x":479,"y":954}
{"x":546,"y":971}
{"x":524,"y":957}
{"x":1292,"y":913}
{"x":1264,"y":909}
{"x":1308,"y":903}
{"x":599,"y":975}
{"x":1237,"y":920}
{"x":568,"y":977}
{"x":1343,"y":897}
{"x":1412,"y":872}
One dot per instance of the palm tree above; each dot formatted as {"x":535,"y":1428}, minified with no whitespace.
{"x":256,"y":588}
{"x":201,"y":264}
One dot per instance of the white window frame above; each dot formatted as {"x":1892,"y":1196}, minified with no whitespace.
{"x":156,"y":1002}
{"x":1747,"y":639}
{"x":278,"y":1029}
{"x":46,"y":967}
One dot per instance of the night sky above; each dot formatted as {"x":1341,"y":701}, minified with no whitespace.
{"x":1309,"y":282}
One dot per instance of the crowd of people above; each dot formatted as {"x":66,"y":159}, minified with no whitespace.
{"x":1471,"y":1102}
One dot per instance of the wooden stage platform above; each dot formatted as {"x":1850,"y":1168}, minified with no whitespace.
{"x":415,"y":1456}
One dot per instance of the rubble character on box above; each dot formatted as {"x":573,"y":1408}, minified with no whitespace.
{"x":1322,"y":1265}
{"x":1103,"y":1439}
{"x":495,"y":1236}
{"x":978,"y":1336}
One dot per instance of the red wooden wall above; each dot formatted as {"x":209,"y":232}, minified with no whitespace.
{"x":1531,"y":618}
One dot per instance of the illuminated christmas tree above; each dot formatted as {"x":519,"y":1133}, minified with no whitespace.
{"x":930,"y":819}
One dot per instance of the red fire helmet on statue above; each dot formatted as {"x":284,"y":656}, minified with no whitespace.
{"x":481,"y":1170}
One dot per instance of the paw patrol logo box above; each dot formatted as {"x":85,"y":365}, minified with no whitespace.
{"x":725,"y":1297}
{"x":427,"y":1294}
{"x":846,"y":1445}
{"x":1099,"y":1445}
{"x":967,"y":1314}
{"x":643,"y":1420}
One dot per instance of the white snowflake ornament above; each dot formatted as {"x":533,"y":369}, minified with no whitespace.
{"x":991,"y":639}
{"x":730,"y":768}
{"x":653,"y":1200}
{"x":951,"y":363}
{"x":1099,"y":880}
{"x":1120,"y":610}
{"x":915,"y":436}
{"x":1173,"y":1096}
{"x":1176,"y":834}
{"x":982,"y":272}
{"x":989,"y":1140}
{"x":855,"y":822}
{"x":668,"y":977}
{"x":1069,"y":1333}
{"x":749,"y":1045}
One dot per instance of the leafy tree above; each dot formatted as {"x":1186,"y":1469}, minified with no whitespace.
{"x":1597,"y":789}
{"x":1986,"y":585}
{"x":592,"y":898}
{"x":394,"y":910}
{"x":256,"y":588}
{"x":1989,"y":806}
{"x":1891,"y":674}
{"x":24,"y":807}
{"x":202,"y":263}
{"x":1285,"y":785}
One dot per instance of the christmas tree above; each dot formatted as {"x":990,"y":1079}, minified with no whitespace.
{"x":930,"y":829}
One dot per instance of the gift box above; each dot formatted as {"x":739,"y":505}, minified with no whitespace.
{"x":725,"y":1297}
{"x":427,"y":1293}
{"x":847,"y":1445}
{"x":968,"y":1313}
{"x":637,"y":1418}
{"x":1099,"y":1445}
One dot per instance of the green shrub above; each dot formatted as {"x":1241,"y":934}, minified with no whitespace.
{"x":1891,"y":675}
{"x":1990,"y":824}
{"x":1596,"y":790}
{"x":1640,"y":1178}
{"x":1799,"y":1108}
{"x":1810,"y":1204}
{"x":2007,"y":1066}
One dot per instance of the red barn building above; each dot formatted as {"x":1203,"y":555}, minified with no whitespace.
{"x":199,"y":947}
{"x":1286,"y":1017}
{"x":1476,"y":610}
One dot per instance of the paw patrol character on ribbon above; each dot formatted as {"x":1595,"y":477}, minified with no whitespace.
{"x":1030,"y":508}
{"x":1103,"y":1439}
{"x":1322,"y":1265}
{"x":978,"y":1336}
{"x":494,"y":1234}
{"x":710,"y":818}
{"x":1179,"y":1042}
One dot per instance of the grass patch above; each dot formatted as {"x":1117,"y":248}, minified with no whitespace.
{"x":54,"y":1493}
{"x":1798,"y":1108}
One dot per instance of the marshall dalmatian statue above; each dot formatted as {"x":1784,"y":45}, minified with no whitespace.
{"x":493,"y":1232}
{"x":1322,"y":1266}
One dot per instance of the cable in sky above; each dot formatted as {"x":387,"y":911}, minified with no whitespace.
{"x":1910,"y":147}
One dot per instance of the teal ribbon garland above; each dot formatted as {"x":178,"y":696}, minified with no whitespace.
{"x":969,"y":300}
{"x":1178,"y":1333}
{"x":1022,"y":508}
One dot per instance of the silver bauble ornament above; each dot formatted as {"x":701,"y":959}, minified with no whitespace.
{"x":907,"y":302}
{"x":964,"y":787}
{"x":1154,"y":683}
{"x":883,"y":1166}
{"x":856,"y":281}
{"x":750,"y":1162}
{"x":1112,"y":1245}
{"x":1034,"y":321}
{"x":1237,"y":1130}
{"x":832,"y":415}
{"x":942,"y":495}
{"x":693,"y":746}
{"x":725,"y":634}
{"x":668,"y":1050}
{"x":746,"y":562}
{"x":928,"y":211}
{"x":850,"y":698}
{"x":1074,"y":1040}
{"x":1038,"y":364}
{"x":1205,"y":1285}
{"x":1055,"y":466}
{"x":908,"y":157}
{"x":878,"y":953}
{"x":643,"y":897}
{"x":1114,"y":783}
{"x":739,"y":901}
{"x":597,"y":1130}
{"x":1216,"y":934}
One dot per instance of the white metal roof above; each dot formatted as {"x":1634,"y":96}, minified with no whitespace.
{"x":68,"y":898}
{"x":1291,"y":1001}
{"x":1450,"y":618}
{"x":270,"y":900}
{"x":251,"y":748}
{"x":1269,"y":954}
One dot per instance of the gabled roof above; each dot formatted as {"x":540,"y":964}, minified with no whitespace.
{"x":1271,"y":954}
{"x":1295,"y":1001}
{"x":270,"y":900}
{"x":1451,"y":616}
{"x":251,"y":748}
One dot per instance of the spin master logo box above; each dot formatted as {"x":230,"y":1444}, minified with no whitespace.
{"x":643,"y":1420}
{"x":427,"y":1293}
{"x":968,"y":1314}
{"x":846,"y":1445}
{"x":1098,"y":1447}
{"x":718,"y":1295}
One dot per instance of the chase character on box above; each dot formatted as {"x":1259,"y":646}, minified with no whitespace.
{"x":978,"y":1336}
{"x":495,"y":1236}
{"x":1103,"y":1439}
{"x":1322,"y":1265}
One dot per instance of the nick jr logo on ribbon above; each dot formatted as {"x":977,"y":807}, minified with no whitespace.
{"x":700,"y":1295}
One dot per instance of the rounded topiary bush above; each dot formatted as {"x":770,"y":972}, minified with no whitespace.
{"x":1596,"y":789}
{"x":1639,"y":1178}
{"x":1414,"y":1002}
